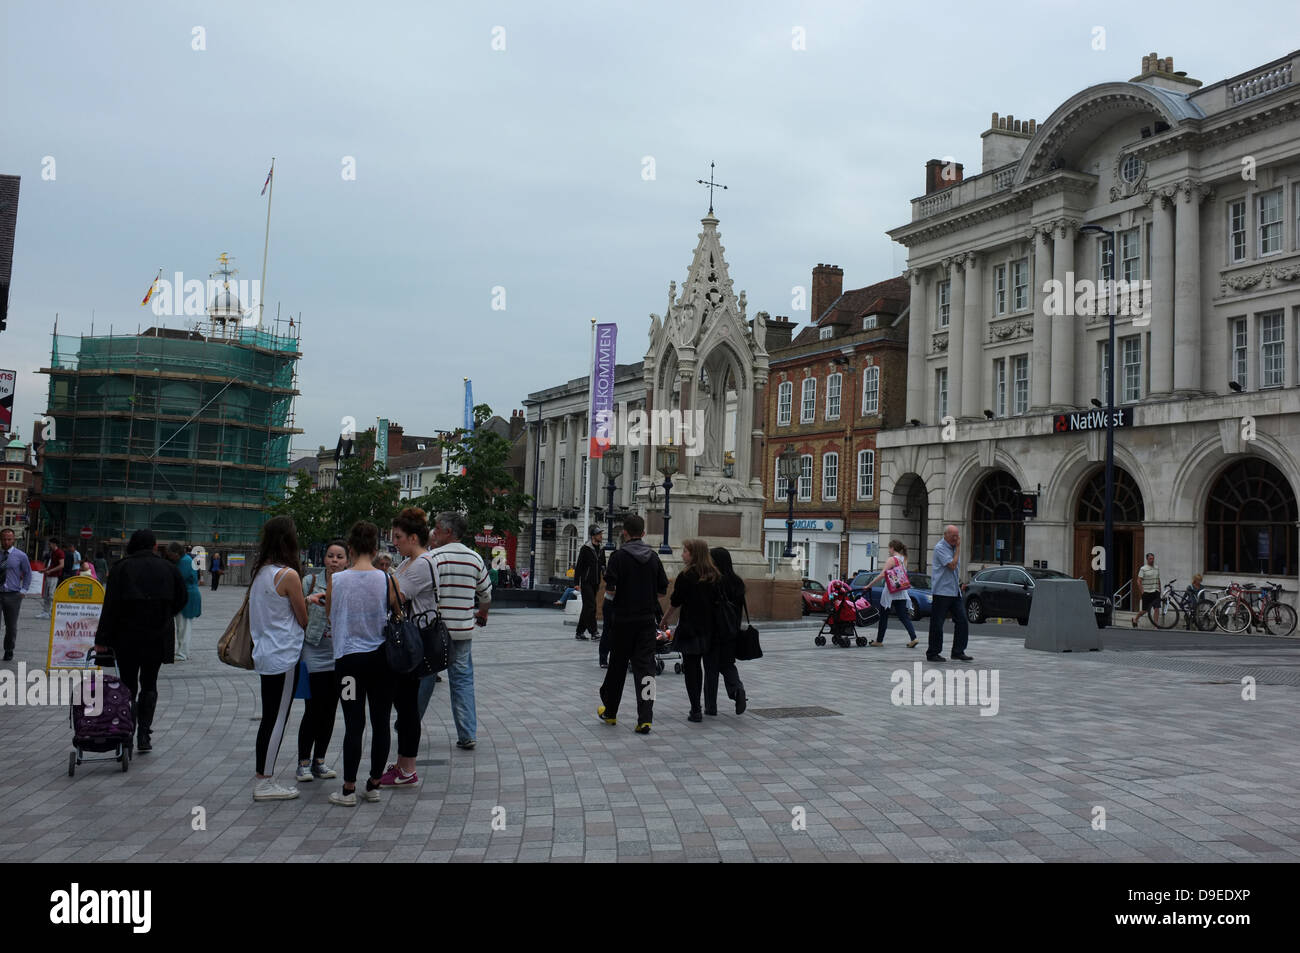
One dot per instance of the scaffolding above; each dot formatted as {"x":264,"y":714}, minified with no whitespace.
{"x":172,"y":430}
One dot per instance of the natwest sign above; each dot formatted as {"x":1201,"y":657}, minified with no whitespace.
{"x":1092,"y":420}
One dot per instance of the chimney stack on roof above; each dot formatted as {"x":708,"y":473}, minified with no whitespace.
{"x":780,"y":331}
{"x":1159,"y":71}
{"x":1005,"y":140}
{"x":940,"y":174}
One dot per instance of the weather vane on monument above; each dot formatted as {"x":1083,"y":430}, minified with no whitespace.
{"x":712,"y":185}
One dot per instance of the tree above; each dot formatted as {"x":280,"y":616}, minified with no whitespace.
{"x":485,"y":493}
{"x":307,"y":507}
{"x":362,"y":491}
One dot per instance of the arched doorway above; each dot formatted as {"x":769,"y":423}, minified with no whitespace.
{"x":997,"y":517}
{"x":910,"y":525}
{"x":1250,"y":521}
{"x":1090,"y":529}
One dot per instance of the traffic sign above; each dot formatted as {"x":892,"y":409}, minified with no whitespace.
{"x":87,"y":532}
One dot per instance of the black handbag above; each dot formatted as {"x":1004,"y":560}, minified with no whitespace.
{"x":434,"y":635}
{"x":402,"y":645}
{"x":747,"y":647}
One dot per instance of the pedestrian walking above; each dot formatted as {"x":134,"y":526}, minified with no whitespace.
{"x":635,"y":579}
{"x":1147,"y":582}
{"x":177,"y":555}
{"x":694,"y":593}
{"x":358,"y":600}
{"x":721,"y":658}
{"x":218,"y":566}
{"x":587,"y":575}
{"x":277,"y":613}
{"x":461,"y":579}
{"x":143,"y":595}
{"x":946,"y":598}
{"x":317,"y":726}
{"x":101,"y":566}
{"x":415,"y":574}
{"x":15,"y":577}
{"x":892,"y":595}
{"x":53,"y":574}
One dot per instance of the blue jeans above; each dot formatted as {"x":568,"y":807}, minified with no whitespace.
{"x":460,"y":679}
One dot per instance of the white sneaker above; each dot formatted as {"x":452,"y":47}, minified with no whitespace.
{"x":343,"y":800}
{"x":371,"y":796}
{"x":267,"y":790}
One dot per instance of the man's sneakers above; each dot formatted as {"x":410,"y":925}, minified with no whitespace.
{"x":607,"y":719}
{"x":267,"y":790}
{"x":394,"y":778}
{"x":466,"y":745}
{"x":643,"y":728}
{"x":961,"y":657}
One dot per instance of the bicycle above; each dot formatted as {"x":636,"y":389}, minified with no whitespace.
{"x":1196,"y":609}
{"x":1237,"y":611}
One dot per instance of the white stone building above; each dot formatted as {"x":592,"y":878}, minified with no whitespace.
{"x":1201,"y":185}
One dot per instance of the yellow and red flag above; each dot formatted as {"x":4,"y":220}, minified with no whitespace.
{"x":152,"y":288}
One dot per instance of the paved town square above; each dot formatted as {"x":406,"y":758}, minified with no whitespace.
{"x":1154,"y":732}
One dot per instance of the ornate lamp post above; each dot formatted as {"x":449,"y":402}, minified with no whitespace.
{"x":789,"y":463}
{"x":666,"y":463}
{"x":613,"y":466}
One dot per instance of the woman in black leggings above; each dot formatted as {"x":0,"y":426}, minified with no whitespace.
{"x":358,"y":601}
{"x":694,"y":592}
{"x":317,"y":727}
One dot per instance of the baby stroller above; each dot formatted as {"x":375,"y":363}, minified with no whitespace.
{"x":843,"y":615}
{"x":665,"y":651}
{"x":113,"y":729}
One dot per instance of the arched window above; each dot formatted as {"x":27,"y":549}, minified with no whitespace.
{"x":1092,"y":499}
{"x":1250,"y":521}
{"x":997,"y":516}
{"x":871,"y":391}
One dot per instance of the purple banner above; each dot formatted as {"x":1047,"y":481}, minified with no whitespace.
{"x":602,"y":389}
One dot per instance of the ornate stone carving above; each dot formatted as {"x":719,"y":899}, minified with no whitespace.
{"x":1243,"y":281}
{"x":654,"y":326}
{"x":723,"y":494}
{"x":1006,"y":330}
{"x":939,"y":342}
{"x":1123,"y":189}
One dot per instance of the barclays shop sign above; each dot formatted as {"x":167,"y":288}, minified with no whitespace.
{"x":816,"y":526}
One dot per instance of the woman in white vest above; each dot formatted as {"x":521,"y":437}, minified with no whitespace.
{"x":277,"y":613}
{"x":898,"y":600}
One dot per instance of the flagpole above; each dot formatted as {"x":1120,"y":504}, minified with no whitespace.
{"x":266,"y":242}
{"x":591,"y":391}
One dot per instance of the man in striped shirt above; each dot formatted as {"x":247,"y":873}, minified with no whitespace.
{"x":461,"y":576}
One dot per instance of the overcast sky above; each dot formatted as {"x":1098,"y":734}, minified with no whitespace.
{"x":520,"y":168}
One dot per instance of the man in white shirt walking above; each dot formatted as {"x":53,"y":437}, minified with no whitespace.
{"x":1148,"y":583}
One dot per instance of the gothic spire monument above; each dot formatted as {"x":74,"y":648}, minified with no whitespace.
{"x":707,"y":369}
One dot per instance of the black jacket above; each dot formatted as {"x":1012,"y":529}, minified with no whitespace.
{"x":591,"y":566}
{"x":143,"y":594}
{"x":638,"y":579}
{"x":695,"y":626}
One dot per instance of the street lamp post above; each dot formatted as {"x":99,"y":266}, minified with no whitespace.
{"x":1108,"y":540}
{"x":789,"y":462}
{"x":666,"y":463}
{"x":613,"y":466}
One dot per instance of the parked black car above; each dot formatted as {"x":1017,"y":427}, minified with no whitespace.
{"x":1007,"y":591}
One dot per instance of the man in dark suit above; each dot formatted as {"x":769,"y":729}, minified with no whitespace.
{"x":587,"y":574}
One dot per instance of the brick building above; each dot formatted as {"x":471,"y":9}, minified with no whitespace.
{"x":830,"y":389}
{"x":20,"y":484}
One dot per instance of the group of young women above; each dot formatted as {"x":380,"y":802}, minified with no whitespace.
{"x":708,"y":649}
{"x":335,"y":627}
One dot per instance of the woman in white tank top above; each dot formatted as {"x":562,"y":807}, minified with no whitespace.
{"x":899,"y":601}
{"x":277,"y":613}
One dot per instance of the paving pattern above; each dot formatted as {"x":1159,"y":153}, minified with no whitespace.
{"x":1184,"y":767}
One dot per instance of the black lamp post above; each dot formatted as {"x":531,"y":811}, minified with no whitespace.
{"x":789,"y":462}
{"x":1108,"y":541}
{"x":666,"y":463}
{"x":613,"y":465}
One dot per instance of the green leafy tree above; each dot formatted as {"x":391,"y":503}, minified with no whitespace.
{"x":486,"y":492}
{"x":361,"y":491}
{"x":307,"y":507}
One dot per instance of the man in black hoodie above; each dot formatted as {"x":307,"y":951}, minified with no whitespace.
{"x":634,"y":580}
{"x":143,"y":595}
